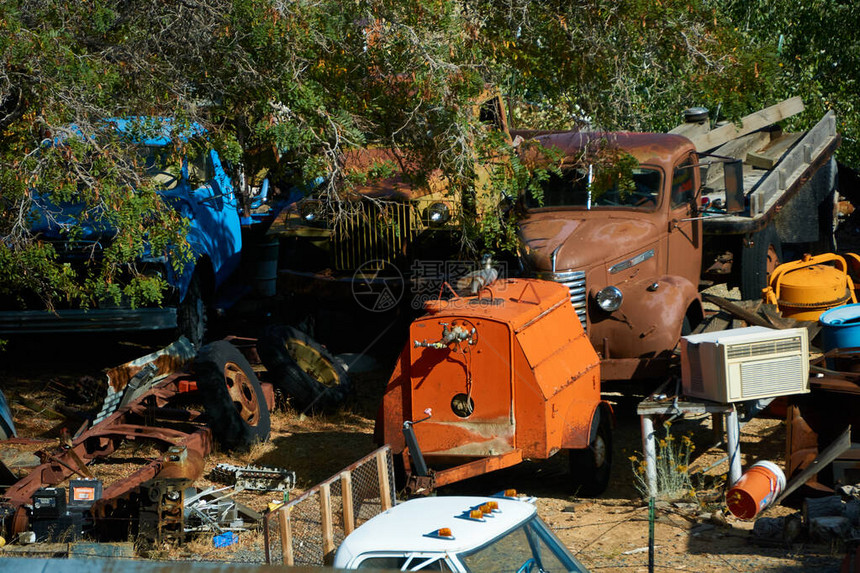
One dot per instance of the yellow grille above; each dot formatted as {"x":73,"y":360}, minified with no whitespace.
{"x":374,"y":234}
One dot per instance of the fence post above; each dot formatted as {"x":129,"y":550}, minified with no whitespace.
{"x":384,"y":484}
{"x":326,"y":521}
{"x":346,"y":496}
{"x":286,"y":536}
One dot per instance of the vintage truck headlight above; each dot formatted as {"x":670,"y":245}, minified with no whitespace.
{"x":609,"y":298}
{"x":437,"y":214}
{"x":310,"y":211}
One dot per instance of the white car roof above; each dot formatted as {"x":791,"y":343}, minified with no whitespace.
{"x":410,"y":526}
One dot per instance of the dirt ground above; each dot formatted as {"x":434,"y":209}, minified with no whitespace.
{"x":609,"y":533}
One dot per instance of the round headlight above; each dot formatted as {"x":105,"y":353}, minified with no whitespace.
{"x":609,"y":299}
{"x":310,"y":211}
{"x":438,"y":214}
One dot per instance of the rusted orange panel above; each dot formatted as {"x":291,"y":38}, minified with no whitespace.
{"x":477,"y":467}
{"x":396,"y":401}
{"x":479,"y":372}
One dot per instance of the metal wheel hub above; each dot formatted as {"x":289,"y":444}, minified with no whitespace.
{"x":598,"y":448}
{"x":242,"y":393}
{"x":313,"y":363}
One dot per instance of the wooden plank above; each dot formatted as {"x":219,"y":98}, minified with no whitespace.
{"x":768,"y":157}
{"x":793,"y":164}
{"x":384,"y":484}
{"x":749,"y":124}
{"x":346,"y":496}
{"x":739,"y":148}
{"x":692,"y":130}
{"x":326,"y":521}
{"x":286,"y":531}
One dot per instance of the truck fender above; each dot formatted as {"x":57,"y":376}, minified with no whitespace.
{"x":582,"y":420}
{"x":685,"y":302}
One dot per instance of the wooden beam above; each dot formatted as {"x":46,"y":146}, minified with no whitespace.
{"x":286,"y":531}
{"x":326,"y":522}
{"x":748,"y":124}
{"x":346,"y":496}
{"x":384,"y":484}
{"x":738,"y":148}
{"x":768,"y":157}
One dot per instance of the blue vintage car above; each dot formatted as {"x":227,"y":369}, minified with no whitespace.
{"x":199,"y":188}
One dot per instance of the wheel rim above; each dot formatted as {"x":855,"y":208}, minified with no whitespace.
{"x":242,"y":393}
{"x":312,"y":362}
{"x":598,"y":449}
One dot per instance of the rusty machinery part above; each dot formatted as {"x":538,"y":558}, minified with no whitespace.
{"x":454,"y":332}
{"x":419,"y":485}
{"x":161,"y":516}
{"x":805,"y":288}
{"x":231,"y":396}
{"x":254,"y":477}
{"x":304,"y":370}
{"x":589,"y":467}
{"x":181,"y":462}
{"x":132,"y":379}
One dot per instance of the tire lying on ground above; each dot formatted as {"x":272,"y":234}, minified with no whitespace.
{"x":303,"y":369}
{"x":231,"y":396}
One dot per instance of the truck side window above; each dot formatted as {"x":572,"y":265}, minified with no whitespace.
{"x":682,"y":184}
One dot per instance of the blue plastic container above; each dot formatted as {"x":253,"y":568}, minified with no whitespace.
{"x":840,"y":328}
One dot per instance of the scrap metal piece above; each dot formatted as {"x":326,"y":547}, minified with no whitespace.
{"x":162,"y":504}
{"x":254,"y":477}
{"x":130,"y":380}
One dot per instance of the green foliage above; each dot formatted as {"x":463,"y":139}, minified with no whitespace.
{"x":287,"y":89}
{"x":818,"y":54}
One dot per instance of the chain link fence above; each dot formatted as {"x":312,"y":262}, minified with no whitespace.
{"x":307,"y":530}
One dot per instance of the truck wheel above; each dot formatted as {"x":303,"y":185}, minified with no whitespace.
{"x":303,"y":369}
{"x":759,"y":260}
{"x":589,"y":468}
{"x":231,"y":396}
{"x":191,"y":317}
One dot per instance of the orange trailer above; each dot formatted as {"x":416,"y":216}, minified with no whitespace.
{"x":487,"y":381}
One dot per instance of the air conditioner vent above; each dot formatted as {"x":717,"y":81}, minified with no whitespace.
{"x":766,"y":348}
{"x":781,"y":376}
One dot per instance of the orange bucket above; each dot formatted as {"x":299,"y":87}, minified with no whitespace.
{"x":757,"y":488}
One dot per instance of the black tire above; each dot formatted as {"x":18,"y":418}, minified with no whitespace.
{"x":192,"y":318}
{"x":590,"y":467}
{"x":232,"y":396}
{"x":757,"y":260}
{"x":303,"y":369}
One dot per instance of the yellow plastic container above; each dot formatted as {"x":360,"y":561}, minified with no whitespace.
{"x":803,"y":289}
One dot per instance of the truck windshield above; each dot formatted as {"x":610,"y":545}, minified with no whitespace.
{"x":571,"y":189}
{"x":529,"y":548}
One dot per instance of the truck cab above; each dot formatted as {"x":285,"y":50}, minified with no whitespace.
{"x":630,"y":255}
{"x":459,"y":534}
{"x":197,"y":186}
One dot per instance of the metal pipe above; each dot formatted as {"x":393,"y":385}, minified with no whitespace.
{"x":414,"y":450}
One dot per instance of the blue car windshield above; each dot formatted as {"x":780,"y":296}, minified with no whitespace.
{"x":164,"y":166}
{"x":528,"y":548}
{"x":571,"y":189}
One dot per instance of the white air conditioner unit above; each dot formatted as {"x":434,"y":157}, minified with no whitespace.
{"x":745,"y":364}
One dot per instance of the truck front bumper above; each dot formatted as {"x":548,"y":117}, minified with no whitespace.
{"x":90,"y":320}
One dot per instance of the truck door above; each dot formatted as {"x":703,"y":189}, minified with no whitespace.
{"x":685,"y":229}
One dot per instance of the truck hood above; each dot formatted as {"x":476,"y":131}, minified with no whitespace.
{"x":583,"y":239}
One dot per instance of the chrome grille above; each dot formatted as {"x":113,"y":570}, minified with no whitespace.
{"x":373,"y":234}
{"x":575,"y":283}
